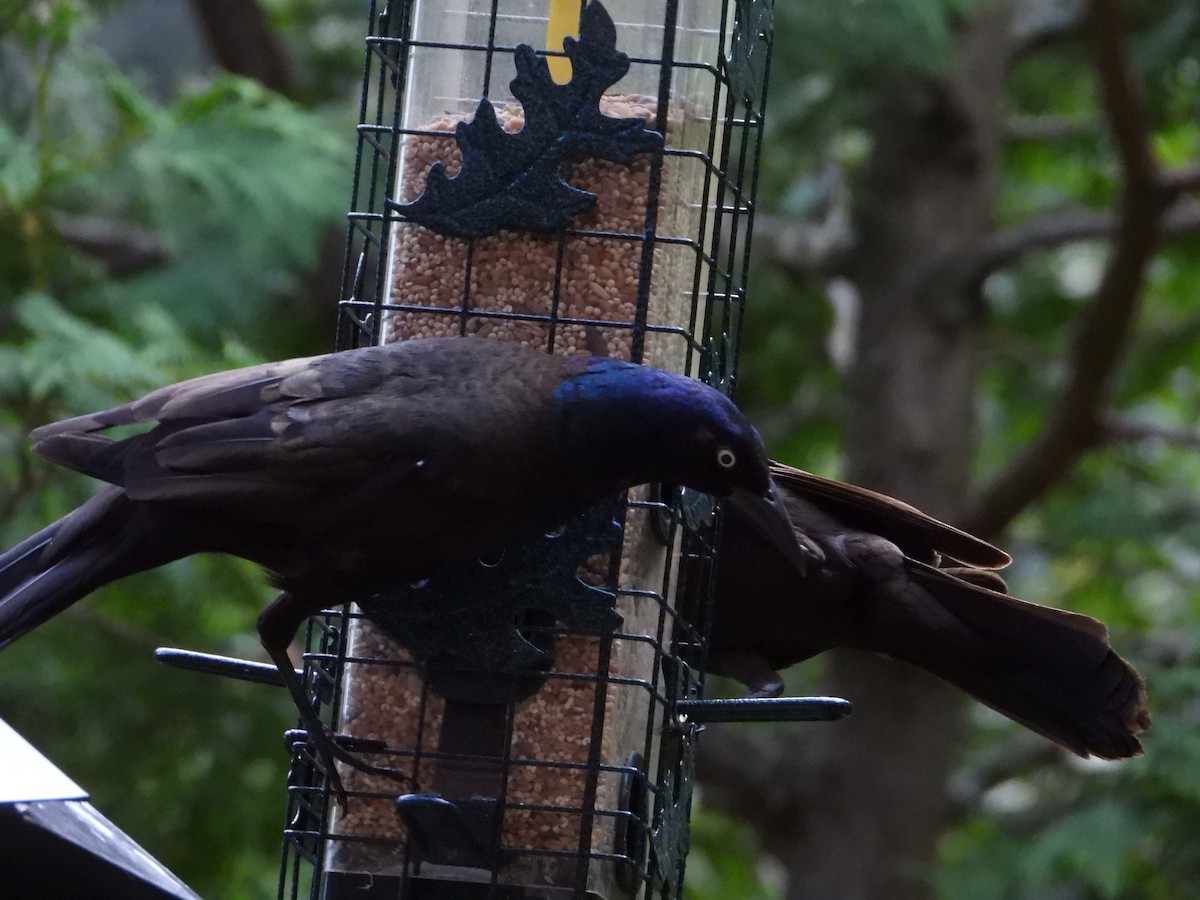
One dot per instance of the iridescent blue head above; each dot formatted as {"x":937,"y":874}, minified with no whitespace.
{"x":650,"y":425}
{"x":658,"y":426}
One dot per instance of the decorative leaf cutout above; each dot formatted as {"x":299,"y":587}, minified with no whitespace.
{"x":471,"y":614}
{"x":515,"y":180}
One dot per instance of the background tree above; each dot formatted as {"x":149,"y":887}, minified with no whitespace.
{"x":1013,"y":288}
{"x":976,"y":288}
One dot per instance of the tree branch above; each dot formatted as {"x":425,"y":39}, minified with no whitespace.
{"x":1183,"y":181}
{"x":1037,"y":23}
{"x":1128,"y":119}
{"x":803,"y":248}
{"x":1073,"y":422}
{"x":1118,"y":427}
{"x":1006,"y":247}
{"x":242,"y":41}
{"x":122,"y":249}
{"x":1015,"y":758}
{"x":1048,"y":128}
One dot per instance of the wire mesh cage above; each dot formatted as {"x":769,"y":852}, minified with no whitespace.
{"x":579,"y":179}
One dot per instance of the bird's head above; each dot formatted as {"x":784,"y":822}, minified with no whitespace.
{"x":716,"y":448}
{"x":659,"y":426}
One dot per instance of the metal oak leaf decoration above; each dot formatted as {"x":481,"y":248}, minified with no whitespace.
{"x":472,"y":614}
{"x":515,"y":180}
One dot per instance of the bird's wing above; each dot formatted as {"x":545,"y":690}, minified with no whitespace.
{"x":230,"y":393}
{"x":919,"y":535}
{"x":1065,"y":627}
{"x":277,"y":433}
{"x":984,"y":578}
{"x":322,"y":429}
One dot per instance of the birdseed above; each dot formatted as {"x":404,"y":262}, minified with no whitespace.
{"x":446,"y":283}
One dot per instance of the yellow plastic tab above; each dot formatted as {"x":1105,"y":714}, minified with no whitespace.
{"x":564,"y":21}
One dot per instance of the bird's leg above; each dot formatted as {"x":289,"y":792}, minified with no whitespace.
{"x":749,"y":669}
{"x":277,"y":625}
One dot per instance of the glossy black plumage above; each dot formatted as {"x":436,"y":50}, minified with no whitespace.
{"x":346,"y":473}
{"x":897,"y":582}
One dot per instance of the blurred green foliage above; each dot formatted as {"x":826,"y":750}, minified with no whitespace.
{"x":234,"y":187}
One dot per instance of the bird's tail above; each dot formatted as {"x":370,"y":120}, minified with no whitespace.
{"x":104,"y":539}
{"x":1050,"y":670}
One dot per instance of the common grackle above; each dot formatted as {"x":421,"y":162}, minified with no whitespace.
{"x":347,"y":473}
{"x":897,"y":582}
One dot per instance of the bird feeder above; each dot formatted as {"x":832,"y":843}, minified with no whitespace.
{"x":578,"y":178}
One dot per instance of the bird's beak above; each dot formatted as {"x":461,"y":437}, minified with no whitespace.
{"x":766,"y":514}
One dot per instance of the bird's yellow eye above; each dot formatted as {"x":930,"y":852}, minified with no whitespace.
{"x":726,"y":458}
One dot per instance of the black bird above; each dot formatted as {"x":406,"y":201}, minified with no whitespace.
{"x":895,"y":581}
{"x":348,"y":473}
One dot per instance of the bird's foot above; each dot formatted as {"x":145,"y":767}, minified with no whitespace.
{"x":332,"y":748}
{"x":766,"y":690}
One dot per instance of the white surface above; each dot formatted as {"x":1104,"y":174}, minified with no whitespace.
{"x":26,"y":776}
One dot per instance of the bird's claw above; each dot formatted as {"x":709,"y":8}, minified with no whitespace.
{"x":766,"y":690}
{"x":352,"y":744}
{"x":333,"y":748}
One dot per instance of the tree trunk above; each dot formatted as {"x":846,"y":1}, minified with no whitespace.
{"x":876,"y":799}
{"x":855,"y":810}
